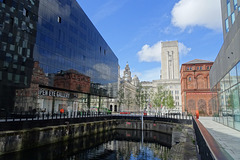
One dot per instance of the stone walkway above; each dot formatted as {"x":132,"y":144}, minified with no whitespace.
{"x":227,"y":137}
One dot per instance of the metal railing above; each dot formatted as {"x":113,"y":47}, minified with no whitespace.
{"x":28,"y":116}
{"x":208,"y":148}
{"x":27,"y":120}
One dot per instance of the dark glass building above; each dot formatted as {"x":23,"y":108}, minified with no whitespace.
{"x":52,"y":57}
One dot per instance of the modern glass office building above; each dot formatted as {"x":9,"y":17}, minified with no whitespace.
{"x":225,"y":72}
{"x":52,"y":57}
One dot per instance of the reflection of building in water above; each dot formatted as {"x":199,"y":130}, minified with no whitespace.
{"x":129,"y":149}
{"x":64,"y":44}
{"x":195,"y":86}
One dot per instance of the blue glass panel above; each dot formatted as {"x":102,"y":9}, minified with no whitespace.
{"x":233,"y":76}
{"x":227,"y":25}
{"x":235,"y":4}
{"x":228,"y":9}
{"x":233,"y":17}
{"x":238,"y":71}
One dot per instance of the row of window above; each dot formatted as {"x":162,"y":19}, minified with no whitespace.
{"x":16,"y":78}
{"x":231,"y":13}
{"x":176,"y":92}
{"x":198,"y":68}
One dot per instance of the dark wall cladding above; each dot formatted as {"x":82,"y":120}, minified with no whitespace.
{"x":53,"y":43}
{"x":18,"y":22}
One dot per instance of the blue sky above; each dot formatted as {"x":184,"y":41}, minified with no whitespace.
{"x":134,"y":29}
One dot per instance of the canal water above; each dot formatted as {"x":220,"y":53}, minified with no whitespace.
{"x":113,"y":145}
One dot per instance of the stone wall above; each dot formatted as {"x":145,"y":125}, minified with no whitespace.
{"x":11,"y":141}
{"x":159,"y":126}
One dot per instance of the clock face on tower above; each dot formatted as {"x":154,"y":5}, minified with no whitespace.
{"x":126,"y":76}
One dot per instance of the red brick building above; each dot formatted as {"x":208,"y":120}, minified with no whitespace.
{"x":72,"y":80}
{"x":27,"y":99}
{"x":195,"y":87}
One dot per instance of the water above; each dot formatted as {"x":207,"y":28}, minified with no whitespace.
{"x":113,"y":145}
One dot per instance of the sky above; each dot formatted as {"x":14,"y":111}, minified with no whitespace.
{"x":134,"y":30}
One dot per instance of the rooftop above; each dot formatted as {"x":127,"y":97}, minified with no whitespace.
{"x":195,"y":61}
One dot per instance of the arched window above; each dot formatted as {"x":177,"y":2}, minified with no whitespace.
{"x":189,"y":78}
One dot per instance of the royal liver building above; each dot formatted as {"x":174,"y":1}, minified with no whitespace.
{"x":169,"y":77}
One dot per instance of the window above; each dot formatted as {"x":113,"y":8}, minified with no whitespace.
{"x":176,"y":97}
{"x":197,"y":68}
{"x":187,"y":68}
{"x":238,"y":8}
{"x":207,"y":67}
{"x":235,"y":4}
{"x":22,"y":68}
{"x":233,"y":17}
{"x":0,"y":75}
{"x":25,"y":12}
{"x":227,"y":25}
{"x":14,"y":66}
{"x":59,"y":19}
{"x":12,"y":47}
{"x":190,"y":68}
{"x":17,"y":79}
{"x":228,"y":9}
{"x":233,"y":76}
{"x":15,"y":58}
{"x":176,"y":92}
{"x":25,"y":80}
{"x":200,"y":68}
{"x":189,"y":79}
{"x":9,"y":76}
{"x":238,"y":72}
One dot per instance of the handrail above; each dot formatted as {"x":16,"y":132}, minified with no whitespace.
{"x":208,"y":147}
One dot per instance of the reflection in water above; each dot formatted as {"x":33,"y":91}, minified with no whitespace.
{"x":113,"y":145}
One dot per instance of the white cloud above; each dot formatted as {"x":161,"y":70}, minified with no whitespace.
{"x":189,"y":13}
{"x":183,"y":50}
{"x":107,"y":10}
{"x":150,"y":53}
{"x":153,"y":53}
{"x":149,"y":75}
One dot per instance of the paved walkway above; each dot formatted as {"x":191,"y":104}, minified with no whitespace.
{"x":227,"y":137}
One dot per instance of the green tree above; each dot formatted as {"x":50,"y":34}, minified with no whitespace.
{"x":169,"y":101}
{"x":128,"y":99}
{"x":141,"y":96}
{"x":163,"y":98}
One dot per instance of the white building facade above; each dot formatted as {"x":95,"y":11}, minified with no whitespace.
{"x":170,"y":73}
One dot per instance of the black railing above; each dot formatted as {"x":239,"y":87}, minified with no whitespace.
{"x":208,"y":148}
{"x":28,"y":116}
{"x":27,"y":120}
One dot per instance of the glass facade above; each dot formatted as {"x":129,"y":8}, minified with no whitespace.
{"x":227,"y":25}
{"x":52,"y":57}
{"x":228,"y":8}
{"x":226,"y":105}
